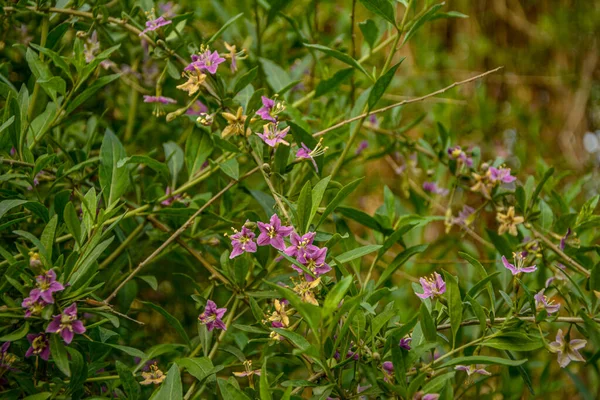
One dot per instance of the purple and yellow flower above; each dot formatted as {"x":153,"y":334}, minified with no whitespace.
{"x":457,"y":153}
{"x":270,"y":109}
{"x":39,"y":346}
{"x":509,"y":222}
{"x":500,"y":175}
{"x":66,"y":324}
{"x":34,"y":306}
{"x":272,"y":135}
{"x":300,"y":244}
{"x":154,"y":24}
{"x":433,"y":286}
{"x":205,"y":61}
{"x":46,"y":286}
{"x":314,"y":261}
{"x":542,"y":303}
{"x":6,"y":359}
{"x":304,"y":289}
{"x":242,"y":242}
{"x":305,"y":152}
{"x":432,"y":187}
{"x":211,"y":317}
{"x":155,"y":376}
{"x":429,"y":396}
{"x":195,"y":80}
{"x":473,"y":369}
{"x":273,"y":233}
{"x":235,"y":123}
{"x":519,"y":265}
{"x":279,"y":318}
{"x":248,"y":371}
{"x":567,"y":351}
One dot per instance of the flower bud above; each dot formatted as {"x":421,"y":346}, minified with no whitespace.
{"x":250,"y":225}
{"x":376,"y":356}
{"x":267,"y":168}
{"x":205,"y":119}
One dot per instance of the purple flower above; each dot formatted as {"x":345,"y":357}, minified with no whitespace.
{"x":432,"y":187}
{"x":567,"y":351}
{"x":300,"y":244}
{"x":91,"y":47}
{"x":520,"y":262}
{"x":457,"y":153}
{"x":159,"y":99}
{"x":405,"y":343}
{"x":154,"y":24}
{"x":266,"y":111}
{"x":500,"y":175}
{"x":542,"y":303}
{"x":314,"y":260}
{"x":373,"y":120}
{"x":388,"y":371}
{"x":306,"y":153}
{"x":563,"y":241}
{"x":206,"y":61}
{"x":472,"y":369}
{"x":6,"y":359}
{"x":46,"y":285}
{"x":433,"y":286}
{"x":197,"y":109}
{"x":33,"y":306}
{"x":463,"y":216}
{"x":273,"y":233}
{"x":242,"y":242}
{"x":211,"y":317}
{"x":13,"y":151}
{"x":361,"y":147}
{"x":272,"y":135}
{"x":66,"y":324}
{"x":168,"y":8}
{"x":39,"y":346}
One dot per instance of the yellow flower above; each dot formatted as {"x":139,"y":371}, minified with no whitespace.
{"x":195,"y":80}
{"x":482,"y":184}
{"x":280,"y":315}
{"x":509,"y":222}
{"x":155,"y":376}
{"x":236,"y":124}
{"x":304,"y":290}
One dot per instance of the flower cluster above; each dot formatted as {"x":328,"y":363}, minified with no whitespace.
{"x":42,"y":294}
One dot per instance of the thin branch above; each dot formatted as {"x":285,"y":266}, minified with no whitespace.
{"x":561,"y":253}
{"x":175,"y":235}
{"x":408,"y":101}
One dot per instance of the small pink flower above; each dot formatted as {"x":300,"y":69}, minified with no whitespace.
{"x":273,"y":233}
{"x":300,"y":244}
{"x":567,"y":351}
{"x":272,"y":135}
{"x":519,"y":267}
{"x":542,"y":303}
{"x":242,"y":242}
{"x":154,"y":24}
{"x":501,"y":175}
{"x":433,"y":286}
{"x":206,"y":61}
{"x":46,"y":286}
{"x":39,"y":346}
{"x":159,"y":99}
{"x":66,"y":324}
{"x":472,"y":369}
{"x":211,"y":317}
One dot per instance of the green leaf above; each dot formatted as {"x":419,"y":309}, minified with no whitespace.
{"x":362,"y":218}
{"x":155,"y":165}
{"x":383,"y":8}
{"x":79,"y":372}
{"x":514,"y":341}
{"x":200,"y":367}
{"x":87,"y":93}
{"x":113,"y":180}
{"x":317,"y":196}
{"x":172,"y":388}
{"x":87,"y":263}
{"x":223,"y":28}
{"x":345,"y":58}
{"x":277,"y":77}
{"x":381,"y":85}
{"x":357,"y":253}
{"x":47,"y":238}
{"x":427,"y":324}
{"x":370,"y":32}
{"x":265,"y":389}
{"x":427,"y":16}
{"x":297,"y":340}
{"x":41,"y":248}
{"x":482,"y":360}
{"x":327,"y":85}
{"x":56,"y":59}
{"x":130,"y":385}
{"x":336,"y":294}
{"x":39,"y":396}
{"x":228,"y":391}
{"x":399,"y":261}
{"x":231,"y":168}
{"x":540,"y":186}
{"x":455,"y":306}
{"x":16,"y":335}
{"x":245,"y":80}
{"x":59,"y":354}
{"x":303,"y":208}
{"x":175,"y":158}
{"x":38,"y":208}
{"x":72,"y":222}
{"x":174,"y":322}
